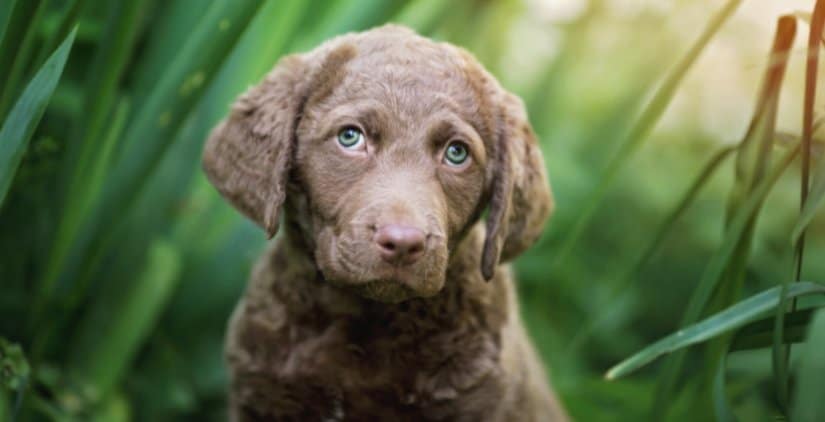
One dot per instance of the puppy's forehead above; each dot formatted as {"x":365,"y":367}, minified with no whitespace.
{"x":413,"y":78}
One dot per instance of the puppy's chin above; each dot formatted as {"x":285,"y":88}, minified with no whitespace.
{"x":386,"y":291}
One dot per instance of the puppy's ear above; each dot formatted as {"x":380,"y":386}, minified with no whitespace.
{"x":520,"y":198}
{"x":249,"y":154}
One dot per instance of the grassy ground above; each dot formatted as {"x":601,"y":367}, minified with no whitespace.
{"x":680,"y":137}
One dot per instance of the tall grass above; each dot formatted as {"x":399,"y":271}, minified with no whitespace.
{"x":722,"y":281}
{"x":119,"y":264}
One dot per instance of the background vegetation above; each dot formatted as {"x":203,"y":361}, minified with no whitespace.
{"x":680,"y":136}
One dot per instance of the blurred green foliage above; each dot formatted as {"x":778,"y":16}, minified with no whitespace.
{"x":119,"y":264}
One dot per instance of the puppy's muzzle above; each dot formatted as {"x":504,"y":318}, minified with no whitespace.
{"x":400,"y":244}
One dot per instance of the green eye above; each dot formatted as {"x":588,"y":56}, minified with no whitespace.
{"x":350,"y":137}
{"x":456,"y":153}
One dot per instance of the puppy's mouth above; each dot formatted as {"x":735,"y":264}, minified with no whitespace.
{"x":354,"y":265}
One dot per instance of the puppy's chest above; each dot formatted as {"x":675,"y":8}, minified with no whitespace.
{"x":371,"y":368}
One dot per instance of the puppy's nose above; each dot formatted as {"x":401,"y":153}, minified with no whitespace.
{"x":399,"y":243}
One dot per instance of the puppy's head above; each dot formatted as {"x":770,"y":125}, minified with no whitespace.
{"x":389,"y":147}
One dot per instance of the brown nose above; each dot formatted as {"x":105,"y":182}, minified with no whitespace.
{"x":399,"y":243}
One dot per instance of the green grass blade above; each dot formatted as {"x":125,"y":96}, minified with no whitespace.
{"x":96,"y":177}
{"x":808,"y":124}
{"x":642,"y":127}
{"x":780,"y":353}
{"x":177,"y":20}
{"x":718,"y":265}
{"x":259,"y":48}
{"x":817,"y":192}
{"x":148,"y":135}
{"x":752,"y":164}
{"x":753,"y":159}
{"x":22,"y":59}
{"x":266,"y":39}
{"x":760,"y":334}
{"x":115,"y":328}
{"x":728,"y":320}
{"x":815,"y":199}
{"x":83,"y":151}
{"x":18,"y":25}
{"x":662,"y":231}
{"x":808,"y":405}
{"x":721,"y":405}
{"x":68,"y":19}
{"x":5,"y":14}
{"x":178,"y":90}
{"x":754,"y":154}
{"x":345,"y":16}
{"x":101,"y":84}
{"x":23,"y":118}
{"x":422,"y":15}
{"x":102,"y":164}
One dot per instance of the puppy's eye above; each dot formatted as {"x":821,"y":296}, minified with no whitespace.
{"x":456,"y":153}
{"x":350,"y":137}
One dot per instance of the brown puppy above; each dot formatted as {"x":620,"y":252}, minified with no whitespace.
{"x":384,"y":298}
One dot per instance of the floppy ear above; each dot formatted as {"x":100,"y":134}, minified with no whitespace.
{"x":249,"y":154}
{"x":520,"y":198}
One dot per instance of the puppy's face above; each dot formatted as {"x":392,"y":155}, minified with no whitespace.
{"x":394,"y":168}
{"x":390,"y":147}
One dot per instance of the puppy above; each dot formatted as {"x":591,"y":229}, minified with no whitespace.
{"x":385,"y":297}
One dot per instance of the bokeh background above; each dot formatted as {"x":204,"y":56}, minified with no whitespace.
{"x":119,"y":264}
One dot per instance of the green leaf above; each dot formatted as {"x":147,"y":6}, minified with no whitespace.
{"x":148,"y":136}
{"x":113,"y":331}
{"x":82,"y":157}
{"x":345,"y":16}
{"x":725,"y":272}
{"x":808,"y":405}
{"x":813,"y":198}
{"x":17,"y":27}
{"x":5,"y":13}
{"x":780,"y":354}
{"x":664,"y":228}
{"x":22,"y":59}
{"x":716,"y":268}
{"x":721,"y":406}
{"x":176,"y":93}
{"x":102,"y":79}
{"x":24,"y":117}
{"x":68,"y":19}
{"x":754,"y":153}
{"x":728,"y":320}
{"x":265,"y":40}
{"x":760,"y":334}
{"x":422,"y":15}
{"x":176,"y":21}
{"x":642,"y":127}
{"x":96,"y":176}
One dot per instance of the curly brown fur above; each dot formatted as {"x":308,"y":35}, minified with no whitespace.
{"x":330,"y":328}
